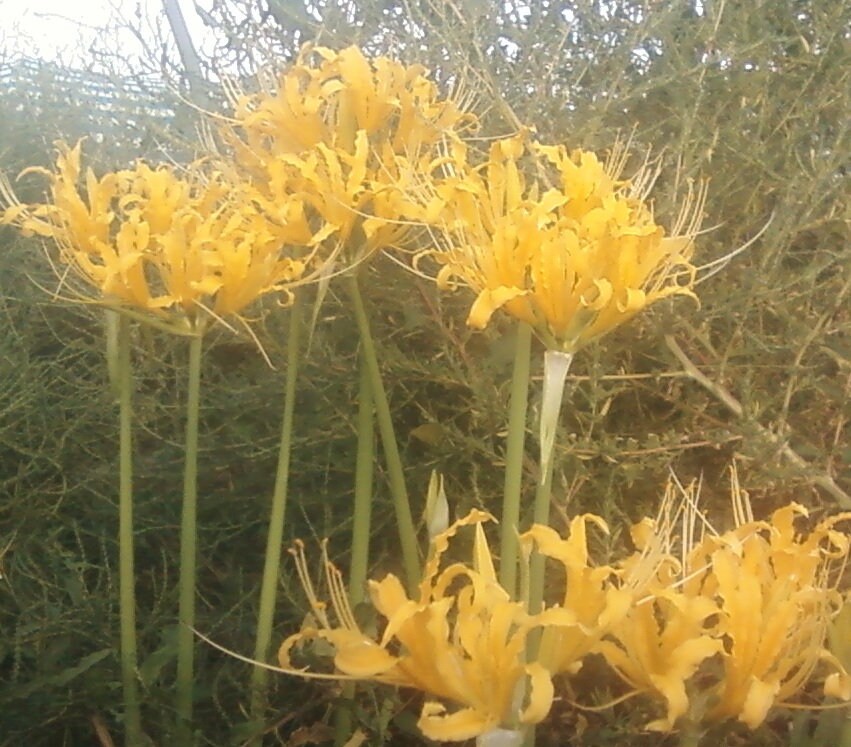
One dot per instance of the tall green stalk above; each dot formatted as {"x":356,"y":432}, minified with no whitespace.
{"x":556,"y":365}
{"x":510,"y":520}
{"x":361,"y":520}
{"x":188,"y":550}
{"x":401,"y":504}
{"x":277,"y":517}
{"x":537,"y":575}
{"x":127,"y":578}
{"x":363,"y":488}
{"x":543,"y":494}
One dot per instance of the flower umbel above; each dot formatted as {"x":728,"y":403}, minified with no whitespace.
{"x":778,"y":595}
{"x":665,"y":636}
{"x":753,"y":603}
{"x":181,"y":248}
{"x":461,"y":642}
{"x":574,"y":260}
{"x":346,"y":133}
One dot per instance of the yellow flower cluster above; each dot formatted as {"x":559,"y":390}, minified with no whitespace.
{"x":574,"y":260}
{"x":330,"y":155}
{"x":352,"y":153}
{"x":732,"y":625}
{"x":181,"y":248}
{"x":463,"y":641}
{"x":739,"y":623}
{"x":351,"y":136}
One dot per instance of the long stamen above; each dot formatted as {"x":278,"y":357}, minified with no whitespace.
{"x":690,"y":216}
{"x":337,"y":590}
{"x":742,"y":510}
{"x":643,"y":181}
{"x":304,"y":576}
{"x":617,"y":158}
{"x":7,"y":194}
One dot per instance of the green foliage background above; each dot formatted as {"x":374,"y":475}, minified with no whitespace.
{"x":753,"y":96}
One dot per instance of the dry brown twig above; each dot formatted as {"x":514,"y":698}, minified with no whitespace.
{"x":821,"y":479}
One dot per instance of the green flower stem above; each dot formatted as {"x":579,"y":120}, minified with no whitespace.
{"x":274,"y":538}
{"x":127,"y":578}
{"x":343,"y":715}
{"x":541,"y":515}
{"x":537,"y":574}
{"x":360,"y":531}
{"x":188,"y":551}
{"x":510,"y":521}
{"x":404,"y":520}
{"x":363,"y":488}
{"x":555,"y":370}
{"x":556,"y":365}
{"x":845,"y":736}
{"x":690,"y":735}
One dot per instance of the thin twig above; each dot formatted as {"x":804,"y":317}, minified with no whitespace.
{"x":822,"y":479}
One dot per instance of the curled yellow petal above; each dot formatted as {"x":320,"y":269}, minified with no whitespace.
{"x":759,"y":699}
{"x":488,"y":301}
{"x":437,"y":724}
{"x":541,"y":693}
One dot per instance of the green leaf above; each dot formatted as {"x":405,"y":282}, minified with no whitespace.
{"x":65,"y":676}
{"x":149,"y":670}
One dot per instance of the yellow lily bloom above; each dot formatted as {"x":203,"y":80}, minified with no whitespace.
{"x":180,"y":248}
{"x":778,"y":596}
{"x":755,"y":601}
{"x":593,"y":600}
{"x":659,"y":645}
{"x":348,"y":132}
{"x":462,"y":642}
{"x":574,"y":261}
{"x":666,"y":634}
{"x":328,"y":97}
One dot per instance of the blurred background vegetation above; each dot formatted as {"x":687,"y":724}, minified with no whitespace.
{"x":752,"y":95}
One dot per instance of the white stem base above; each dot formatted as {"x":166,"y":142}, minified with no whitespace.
{"x":556,"y":365}
{"x":501,"y":738}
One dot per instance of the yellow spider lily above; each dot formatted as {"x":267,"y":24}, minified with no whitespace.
{"x":659,"y":644}
{"x":462,"y":642}
{"x":575,"y":260}
{"x":179,"y":248}
{"x":740,"y":624}
{"x":328,"y":97}
{"x":592,"y":602}
{"x":346,"y":134}
{"x":778,"y":597}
